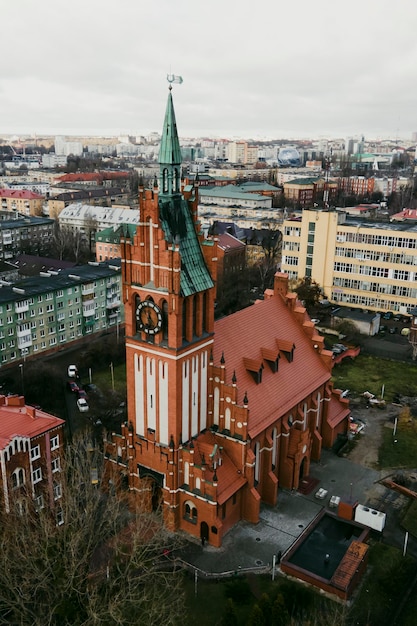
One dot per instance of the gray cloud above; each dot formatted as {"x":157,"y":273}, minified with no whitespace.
{"x":250,"y":69}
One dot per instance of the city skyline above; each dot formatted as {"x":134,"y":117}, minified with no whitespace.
{"x":261,"y":73}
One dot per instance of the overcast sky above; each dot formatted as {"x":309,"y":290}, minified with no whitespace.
{"x":255,"y":69}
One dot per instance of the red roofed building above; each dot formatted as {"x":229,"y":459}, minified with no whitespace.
{"x":99,"y":178}
{"x":31,"y":446}
{"x":231,"y":256}
{"x":220,"y":414}
{"x":22,"y":200}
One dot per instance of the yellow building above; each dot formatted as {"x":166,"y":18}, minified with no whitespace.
{"x":22,"y":200}
{"x":358,"y":263}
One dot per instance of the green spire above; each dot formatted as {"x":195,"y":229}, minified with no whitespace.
{"x":170,"y":153}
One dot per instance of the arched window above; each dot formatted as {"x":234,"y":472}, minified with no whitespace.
{"x":274,"y":447}
{"x":186,"y":473}
{"x":176,"y":181}
{"x":190,"y":511}
{"x":257,"y":461}
{"x":18,"y":477}
{"x":165,"y":180}
{"x":318,"y":409}
{"x":216,"y":406}
{"x":227,"y":416}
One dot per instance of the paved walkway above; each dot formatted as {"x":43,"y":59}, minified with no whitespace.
{"x":253,"y":545}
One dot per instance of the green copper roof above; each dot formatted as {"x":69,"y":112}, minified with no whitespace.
{"x":113,"y":234}
{"x":169,"y":151}
{"x":178,"y":227}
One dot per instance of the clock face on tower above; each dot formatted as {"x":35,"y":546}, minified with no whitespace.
{"x":148,"y":317}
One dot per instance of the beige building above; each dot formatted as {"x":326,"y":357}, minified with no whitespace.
{"x":358,"y":263}
{"x":22,"y":200}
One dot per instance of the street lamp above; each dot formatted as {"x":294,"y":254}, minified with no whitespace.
{"x":112,"y":375}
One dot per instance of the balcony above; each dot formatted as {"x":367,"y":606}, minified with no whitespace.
{"x":88,"y":311}
{"x":87,"y":289}
{"x":22,"y":306}
{"x":112,"y":303}
{"x":24,"y":342}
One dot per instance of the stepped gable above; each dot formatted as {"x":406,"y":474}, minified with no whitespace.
{"x":229,"y":478}
{"x":250,"y":335}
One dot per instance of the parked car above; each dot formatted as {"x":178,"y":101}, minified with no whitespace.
{"x":396,"y":318}
{"x":72,"y":386}
{"x":387,"y":315}
{"x":72,"y":371}
{"x":82,"y":405}
{"x":82,"y":394}
{"x":382,"y":329}
{"x":393,"y":330}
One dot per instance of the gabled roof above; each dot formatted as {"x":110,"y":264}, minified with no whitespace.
{"x":261,"y":330}
{"x":20,"y":194}
{"x":229,"y":478}
{"x":20,"y":420}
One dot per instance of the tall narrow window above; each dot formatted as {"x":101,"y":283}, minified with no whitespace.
{"x":184,"y":320}
{"x":165,"y":320}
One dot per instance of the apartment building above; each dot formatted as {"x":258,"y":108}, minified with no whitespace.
{"x":19,"y":233}
{"x":42,"y":313}
{"x":31,"y":449}
{"x":359,"y":263}
{"x":21,"y":200}
{"x":102,"y":196}
{"x":108,"y":241}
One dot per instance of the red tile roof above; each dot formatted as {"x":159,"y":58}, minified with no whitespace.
{"x":249,"y":333}
{"x":228,"y":242}
{"x":91,"y":176}
{"x":18,"y":419}
{"x":20,"y":194}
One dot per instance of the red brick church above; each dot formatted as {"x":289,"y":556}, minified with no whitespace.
{"x":220,"y":413}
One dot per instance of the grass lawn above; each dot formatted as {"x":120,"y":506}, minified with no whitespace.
{"x":399,"y":451}
{"x":409,"y":521}
{"x":368,"y":373}
{"x":387,"y":578}
{"x":103,"y":378}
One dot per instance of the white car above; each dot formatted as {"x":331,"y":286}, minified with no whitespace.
{"x":82,"y":405}
{"x":72,"y":371}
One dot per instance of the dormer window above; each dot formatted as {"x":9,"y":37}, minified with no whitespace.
{"x":272,"y":357}
{"x":287,"y":347}
{"x":254,"y":367}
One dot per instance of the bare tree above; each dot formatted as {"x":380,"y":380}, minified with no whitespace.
{"x":94,"y":564}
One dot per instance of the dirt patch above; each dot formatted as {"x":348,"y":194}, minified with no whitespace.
{"x":365,"y":451}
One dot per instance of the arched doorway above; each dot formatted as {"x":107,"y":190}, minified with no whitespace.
{"x":204,"y":532}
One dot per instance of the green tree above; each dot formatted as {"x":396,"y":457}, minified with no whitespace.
{"x":230,"y":616}
{"x":309,"y":292}
{"x":102,"y":566}
{"x":256,"y":617}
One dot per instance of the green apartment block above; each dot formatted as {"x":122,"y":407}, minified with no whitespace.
{"x":44,"y":313}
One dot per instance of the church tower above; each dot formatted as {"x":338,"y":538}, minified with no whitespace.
{"x":168,"y":290}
